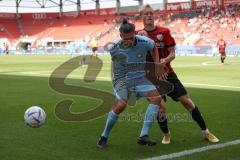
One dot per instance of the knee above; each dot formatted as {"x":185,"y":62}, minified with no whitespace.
{"x":187,"y":102}
{"x":119,"y":106}
{"x":155,"y":100}
{"x":163,"y":106}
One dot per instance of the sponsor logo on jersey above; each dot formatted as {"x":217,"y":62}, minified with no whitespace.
{"x":142,"y":40}
{"x":160,"y":37}
{"x":140,"y":55}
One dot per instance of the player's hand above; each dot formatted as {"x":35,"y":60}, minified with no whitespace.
{"x":164,"y":76}
{"x":159,"y":70}
{"x":142,"y":33}
{"x":163,"y":61}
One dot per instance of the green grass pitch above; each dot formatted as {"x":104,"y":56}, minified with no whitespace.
{"x":215,"y":88}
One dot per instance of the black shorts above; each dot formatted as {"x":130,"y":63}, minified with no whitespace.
{"x":223,"y":55}
{"x":179,"y":89}
{"x":94,"y":49}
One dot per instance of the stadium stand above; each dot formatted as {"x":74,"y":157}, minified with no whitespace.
{"x":202,"y":28}
{"x":9,"y":29}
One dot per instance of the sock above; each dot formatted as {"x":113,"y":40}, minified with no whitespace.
{"x":162,"y":122}
{"x":196,"y":115}
{"x":205,"y":131}
{"x":149,"y":118}
{"x":222,"y":60}
{"x":111,"y":120}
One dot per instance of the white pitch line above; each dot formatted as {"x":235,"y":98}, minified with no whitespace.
{"x":193,"y":151}
{"x":41,"y":73}
{"x":212,"y":85}
{"x":204,"y":63}
{"x":212,"y":63}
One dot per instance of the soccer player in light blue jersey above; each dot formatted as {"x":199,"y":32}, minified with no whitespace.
{"x":83,"y":51}
{"x":129,"y":60}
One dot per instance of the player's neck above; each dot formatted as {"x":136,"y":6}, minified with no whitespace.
{"x":149,"y":28}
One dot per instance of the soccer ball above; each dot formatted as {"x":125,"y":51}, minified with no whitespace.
{"x":34,"y":116}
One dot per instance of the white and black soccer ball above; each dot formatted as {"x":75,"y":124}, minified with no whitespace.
{"x":34,"y":116}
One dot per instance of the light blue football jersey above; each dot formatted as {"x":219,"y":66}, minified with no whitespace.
{"x":84,"y":45}
{"x":129,"y":63}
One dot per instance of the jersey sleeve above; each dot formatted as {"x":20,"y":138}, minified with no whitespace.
{"x":169,"y":40}
{"x":151,"y":45}
{"x":113,"y":47}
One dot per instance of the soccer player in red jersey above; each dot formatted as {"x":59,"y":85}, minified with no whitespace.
{"x":166,"y":48}
{"x":221,"y":47}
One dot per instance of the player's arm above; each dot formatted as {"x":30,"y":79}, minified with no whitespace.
{"x":159,"y":68}
{"x":170,"y":57}
{"x":155,"y":55}
{"x":170,"y":47}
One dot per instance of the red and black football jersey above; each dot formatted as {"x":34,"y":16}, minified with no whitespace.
{"x":163,"y":40}
{"x":221,"y":46}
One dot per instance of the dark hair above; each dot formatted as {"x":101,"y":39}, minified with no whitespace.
{"x":126,"y":27}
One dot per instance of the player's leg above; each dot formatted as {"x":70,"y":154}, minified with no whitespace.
{"x":223,"y":57}
{"x":71,"y":53}
{"x":163,"y":89}
{"x":92,"y":53}
{"x":222,"y":61}
{"x":121,"y":94}
{"x":152,"y":111}
{"x":193,"y":109}
{"x":81,"y":60}
{"x":163,"y":123}
{"x":180,"y":94}
{"x":84,"y":58}
{"x":111,"y":120}
{"x":96,"y":52}
{"x":197,"y":117}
